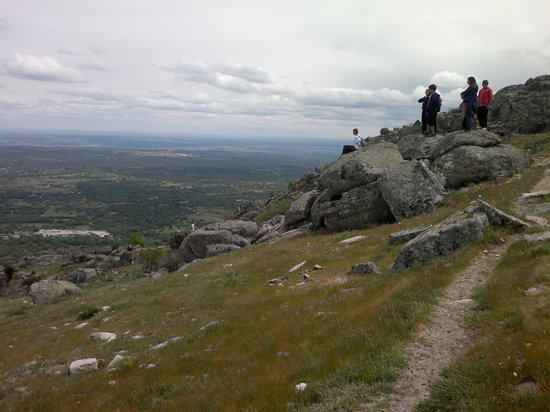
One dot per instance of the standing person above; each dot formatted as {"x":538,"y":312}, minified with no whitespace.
{"x":485,"y":100}
{"x":469,"y":98}
{"x":432,"y":107}
{"x":424,"y":101}
{"x":357,"y":143}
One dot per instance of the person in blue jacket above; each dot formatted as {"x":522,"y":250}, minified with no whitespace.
{"x":469,"y":100}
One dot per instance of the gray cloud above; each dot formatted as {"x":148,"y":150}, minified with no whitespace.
{"x":44,"y":68}
{"x":3,"y":24}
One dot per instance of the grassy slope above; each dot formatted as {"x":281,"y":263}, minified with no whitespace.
{"x":341,"y":334}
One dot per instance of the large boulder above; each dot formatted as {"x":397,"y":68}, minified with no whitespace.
{"x":195,"y":245}
{"x":410,"y":188}
{"x":416,"y":146}
{"x":358,"y":168}
{"x":358,"y":208}
{"x":442,"y":239}
{"x":473,"y":164}
{"x":47,"y":291}
{"x":299,"y":210}
{"x":453,"y":140}
{"x":246,"y":229}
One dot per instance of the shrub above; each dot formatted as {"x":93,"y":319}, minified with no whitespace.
{"x":151,"y":259}
{"x":176,"y":240}
{"x":9,"y":270}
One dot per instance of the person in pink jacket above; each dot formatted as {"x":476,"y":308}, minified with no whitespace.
{"x":485,"y":100}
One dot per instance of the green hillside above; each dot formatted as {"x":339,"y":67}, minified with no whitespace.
{"x":245,"y":345}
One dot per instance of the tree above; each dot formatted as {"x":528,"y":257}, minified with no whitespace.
{"x":136,"y":239}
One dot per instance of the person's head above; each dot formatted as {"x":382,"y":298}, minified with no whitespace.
{"x":427,"y":92}
{"x":432,"y":88}
{"x":471,"y":80}
{"x":485,"y":83}
{"x":355,"y":131}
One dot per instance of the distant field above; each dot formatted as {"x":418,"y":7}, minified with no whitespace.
{"x":154,"y":191}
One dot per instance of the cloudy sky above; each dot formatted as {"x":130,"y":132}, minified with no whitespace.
{"x":255,"y":67}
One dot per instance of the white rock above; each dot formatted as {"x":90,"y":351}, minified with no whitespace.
{"x":116,"y":360}
{"x":298,"y":266}
{"x":84,"y":365}
{"x":165,"y":343}
{"x":351,"y":240}
{"x":103,"y":336}
{"x":82,"y":325}
{"x":301,"y":387}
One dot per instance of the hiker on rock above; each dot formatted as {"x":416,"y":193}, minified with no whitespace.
{"x":485,"y":100}
{"x":357,"y":143}
{"x":469,"y":103}
{"x":432,"y":108}
{"x":424,"y":101}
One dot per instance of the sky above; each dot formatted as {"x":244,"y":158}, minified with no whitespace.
{"x":254,"y":67}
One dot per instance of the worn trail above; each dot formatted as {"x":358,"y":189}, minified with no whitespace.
{"x":445,"y":338}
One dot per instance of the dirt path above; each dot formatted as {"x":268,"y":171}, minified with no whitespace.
{"x":445,"y":338}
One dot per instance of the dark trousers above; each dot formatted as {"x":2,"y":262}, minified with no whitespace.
{"x":348,"y":149}
{"x":424,"y":122}
{"x":482,"y":112}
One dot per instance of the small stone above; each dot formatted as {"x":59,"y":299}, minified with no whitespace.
{"x":103,"y":336}
{"x":300,"y":387}
{"x":365,"y":268}
{"x":298,"y":266}
{"x":165,"y":343}
{"x":82,"y":325}
{"x":351,"y":240}
{"x":317,"y":267}
{"x":112,"y":383}
{"x":209,"y":325}
{"x":116,"y":360}
{"x":84,"y":365}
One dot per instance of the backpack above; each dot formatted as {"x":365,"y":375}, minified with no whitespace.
{"x":439,"y":103}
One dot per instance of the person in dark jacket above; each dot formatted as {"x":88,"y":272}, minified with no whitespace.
{"x":432,"y":108}
{"x":469,"y":97}
{"x":424,"y":101}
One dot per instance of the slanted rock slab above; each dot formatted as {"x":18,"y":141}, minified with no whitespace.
{"x":497,"y":217}
{"x":406,"y":235}
{"x":442,"y":239}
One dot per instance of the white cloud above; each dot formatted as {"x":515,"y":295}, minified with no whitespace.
{"x":447,"y":79}
{"x":44,"y":68}
{"x":3,"y":24}
{"x":229,"y":76}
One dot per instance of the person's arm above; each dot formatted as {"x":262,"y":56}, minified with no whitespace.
{"x":490,"y":96}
